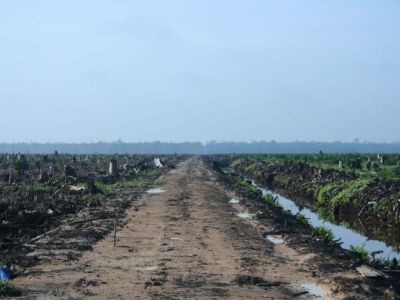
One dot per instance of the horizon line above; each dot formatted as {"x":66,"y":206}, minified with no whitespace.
{"x":200,"y":142}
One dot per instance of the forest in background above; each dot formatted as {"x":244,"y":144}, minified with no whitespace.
{"x":200,"y":148}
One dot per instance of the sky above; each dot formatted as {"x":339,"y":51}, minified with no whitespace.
{"x":199,"y":70}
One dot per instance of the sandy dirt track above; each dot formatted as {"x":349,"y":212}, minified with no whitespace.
{"x":186,"y":242}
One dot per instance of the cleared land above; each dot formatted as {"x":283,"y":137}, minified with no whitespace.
{"x":187,"y":242}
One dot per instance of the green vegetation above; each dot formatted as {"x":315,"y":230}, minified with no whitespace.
{"x":274,"y":202}
{"x":338,"y":194}
{"x":120,"y":185}
{"x":253,"y":170}
{"x":144,"y":180}
{"x":339,"y":186}
{"x":303,"y":220}
{"x":354,"y":190}
{"x":326,"y":233}
{"x":242,"y":184}
{"x":41,"y":188}
{"x":389,"y":173}
{"x":362,"y":252}
{"x":364,"y":165}
{"x":237,"y":162}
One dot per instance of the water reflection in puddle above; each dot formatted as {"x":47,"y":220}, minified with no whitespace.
{"x":244,"y":215}
{"x":313,"y":290}
{"x":274,"y":239}
{"x":156,"y":191}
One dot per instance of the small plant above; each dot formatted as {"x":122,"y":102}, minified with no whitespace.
{"x":244,"y":184}
{"x":302,"y":220}
{"x":118,"y":186}
{"x":360,"y":250}
{"x":326,"y":233}
{"x":274,"y":201}
{"x":41,"y":188}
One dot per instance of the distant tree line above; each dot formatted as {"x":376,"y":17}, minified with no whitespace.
{"x":199,"y":148}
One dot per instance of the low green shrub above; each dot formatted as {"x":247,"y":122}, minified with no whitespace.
{"x":41,"y":188}
{"x":326,"y":233}
{"x":303,"y":220}
{"x":338,"y":194}
{"x":120,"y":185}
{"x":364,"y":254}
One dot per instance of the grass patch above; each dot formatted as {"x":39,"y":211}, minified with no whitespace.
{"x":121,"y":185}
{"x":143,"y":180}
{"x":389,"y":173}
{"x":274,"y":202}
{"x":326,"y":233}
{"x":41,"y":188}
{"x":236,"y":162}
{"x":241,"y":183}
{"x":282,"y":181}
{"x":252,"y":169}
{"x":360,"y":250}
{"x":303,"y":220}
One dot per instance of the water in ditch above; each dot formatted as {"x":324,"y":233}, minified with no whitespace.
{"x":349,"y":237}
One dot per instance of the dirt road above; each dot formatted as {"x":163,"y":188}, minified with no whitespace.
{"x":186,"y":242}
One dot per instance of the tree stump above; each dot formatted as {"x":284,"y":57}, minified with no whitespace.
{"x":113,"y":168}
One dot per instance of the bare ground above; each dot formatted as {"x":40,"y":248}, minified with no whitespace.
{"x":187,"y":242}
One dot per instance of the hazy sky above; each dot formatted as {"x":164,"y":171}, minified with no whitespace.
{"x":92,"y":70}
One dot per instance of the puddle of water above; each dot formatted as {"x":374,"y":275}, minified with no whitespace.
{"x":348,"y":236}
{"x":314,"y":290}
{"x":226,"y":170}
{"x":156,"y":191}
{"x":234,"y":201}
{"x":274,"y":239}
{"x":244,"y":215}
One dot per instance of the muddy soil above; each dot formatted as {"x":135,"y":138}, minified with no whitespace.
{"x":188,"y":240}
